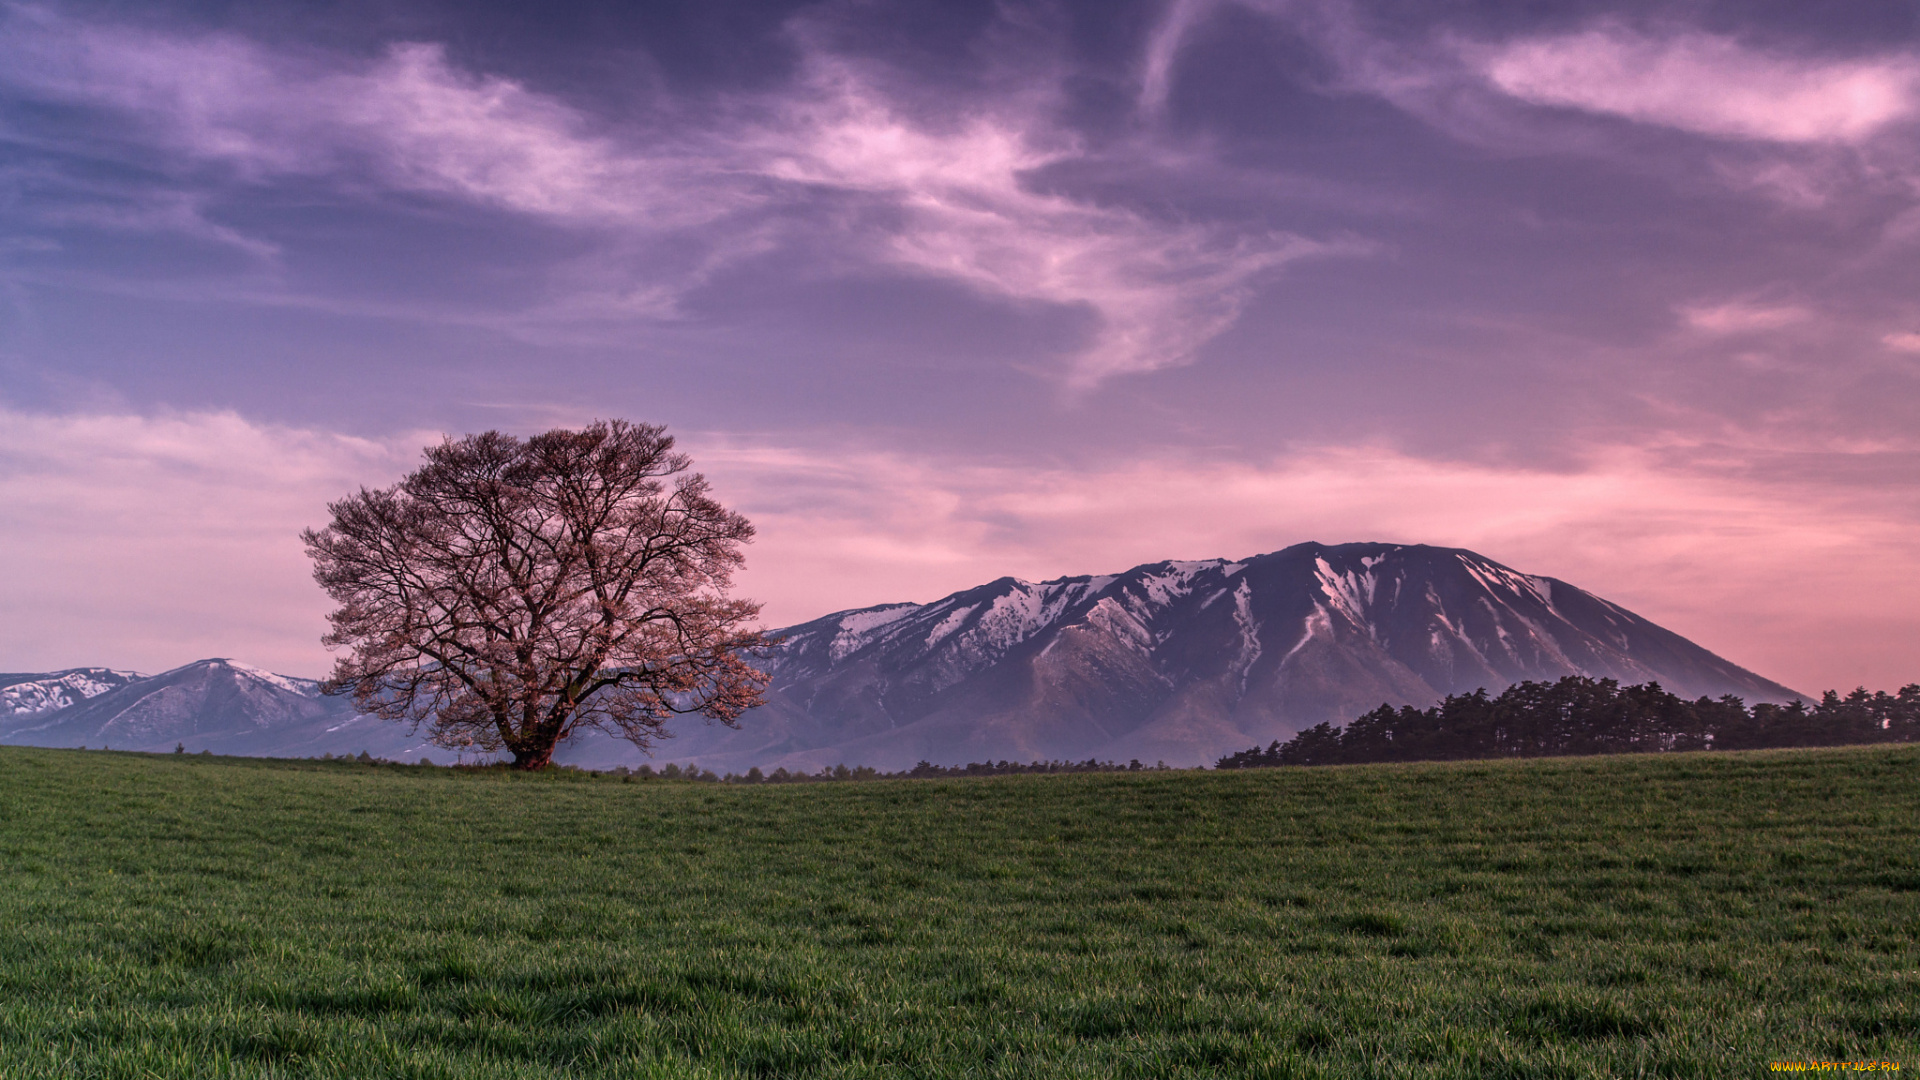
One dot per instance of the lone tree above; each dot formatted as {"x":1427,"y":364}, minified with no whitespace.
{"x":510,"y":593}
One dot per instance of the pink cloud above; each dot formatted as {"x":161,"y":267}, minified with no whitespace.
{"x":1160,"y":290}
{"x":409,"y":117}
{"x":1738,"y":317}
{"x":1808,"y":128}
{"x":1707,"y":84}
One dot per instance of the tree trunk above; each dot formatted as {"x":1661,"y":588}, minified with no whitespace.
{"x":533,"y":756}
{"x":533,"y":750}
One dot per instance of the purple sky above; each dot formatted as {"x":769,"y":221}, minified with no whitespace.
{"x":1621,"y":294}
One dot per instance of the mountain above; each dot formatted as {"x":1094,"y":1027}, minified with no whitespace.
{"x":1179,"y":662}
{"x":23,"y":693}
{"x":1185,"y":661}
{"x":218,"y":705}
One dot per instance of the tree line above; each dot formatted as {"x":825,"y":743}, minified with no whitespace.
{"x":1581,"y":715}
{"x":924,"y":770}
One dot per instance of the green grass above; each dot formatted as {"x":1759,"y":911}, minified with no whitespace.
{"x":1684,"y":915}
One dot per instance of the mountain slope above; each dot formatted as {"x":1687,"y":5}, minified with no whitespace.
{"x":1183,"y":661}
{"x":23,"y":693}
{"x":1173,"y":661}
{"x":217,"y":705}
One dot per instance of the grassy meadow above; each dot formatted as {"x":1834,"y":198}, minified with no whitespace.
{"x":1680,"y":915}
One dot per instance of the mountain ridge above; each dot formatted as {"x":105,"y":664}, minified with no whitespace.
{"x":217,"y":704}
{"x":1167,"y":657}
{"x":22,"y":693}
{"x":1175,"y":661}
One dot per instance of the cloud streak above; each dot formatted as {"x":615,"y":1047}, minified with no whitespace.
{"x":1795,"y":123}
{"x":1737,"y":317}
{"x":1707,"y":84}
{"x":969,"y":214}
{"x":408,"y":119}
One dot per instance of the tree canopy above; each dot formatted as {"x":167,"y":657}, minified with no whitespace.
{"x":511,"y":593}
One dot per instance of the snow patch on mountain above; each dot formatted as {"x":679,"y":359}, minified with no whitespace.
{"x":1504,"y":582}
{"x":947,"y":626}
{"x":1315,"y":624}
{"x":1162,"y":589}
{"x":1350,"y":593}
{"x":858,"y":629}
{"x":56,"y":690}
{"x":1113,"y":617}
{"x":1010,"y":619}
{"x":1249,"y":631}
{"x":303,"y":687}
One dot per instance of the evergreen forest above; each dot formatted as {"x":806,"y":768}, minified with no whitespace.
{"x":1580,"y":715}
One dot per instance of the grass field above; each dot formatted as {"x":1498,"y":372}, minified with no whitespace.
{"x":1684,"y":915}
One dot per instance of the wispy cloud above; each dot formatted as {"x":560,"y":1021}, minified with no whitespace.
{"x":1799,"y":177}
{"x":961,"y":200}
{"x":969,"y":212}
{"x":1708,"y":84}
{"x":408,"y":118}
{"x":1739,"y":317}
{"x":1799,"y":126}
{"x":117,"y":205}
{"x":1163,"y":50}
{"x":1904,"y":341}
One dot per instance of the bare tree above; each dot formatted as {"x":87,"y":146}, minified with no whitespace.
{"x":510,"y":593}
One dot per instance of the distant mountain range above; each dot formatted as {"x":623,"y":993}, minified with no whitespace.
{"x":1174,"y":661}
{"x":21,"y":694}
{"x":218,"y":705}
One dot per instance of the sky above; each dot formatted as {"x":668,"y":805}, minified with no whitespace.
{"x":940,"y":292}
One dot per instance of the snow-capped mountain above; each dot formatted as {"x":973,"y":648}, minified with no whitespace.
{"x":22,"y":693}
{"x":1173,"y":661}
{"x":1184,"y":661}
{"x":219,"y":705}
